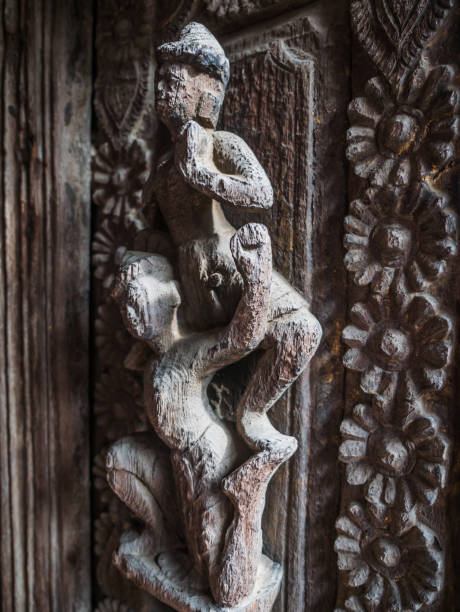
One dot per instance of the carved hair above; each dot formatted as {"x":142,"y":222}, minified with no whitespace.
{"x":198,"y":47}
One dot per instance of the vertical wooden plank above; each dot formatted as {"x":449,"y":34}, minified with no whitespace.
{"x":44,"y":287}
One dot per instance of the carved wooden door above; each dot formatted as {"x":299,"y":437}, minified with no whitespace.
{"x":351,"y":109}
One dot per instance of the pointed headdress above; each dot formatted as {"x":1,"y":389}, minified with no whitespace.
{"x":198,"y":47}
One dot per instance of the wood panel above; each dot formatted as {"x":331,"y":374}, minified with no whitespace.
{"x":283,"y":100}
{"x":44,"y":291}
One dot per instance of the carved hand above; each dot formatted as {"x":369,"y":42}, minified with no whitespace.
{"x":251,"y":249}
{"x":191,"y":147}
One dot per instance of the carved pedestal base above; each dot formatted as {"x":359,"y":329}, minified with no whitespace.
{"x":171,"y":582}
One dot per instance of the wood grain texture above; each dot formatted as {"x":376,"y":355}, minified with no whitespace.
{"x":44,"y":284}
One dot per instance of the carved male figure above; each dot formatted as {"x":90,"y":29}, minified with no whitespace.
{"x":203,"y":169}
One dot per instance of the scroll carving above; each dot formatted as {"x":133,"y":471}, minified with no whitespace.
{"x":207,"y":298}
{"x":401,"y":236}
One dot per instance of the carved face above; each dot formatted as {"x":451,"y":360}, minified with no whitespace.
{"x":183,"y":93}
{"x":148,"y":295}
{"x":148,"y":307}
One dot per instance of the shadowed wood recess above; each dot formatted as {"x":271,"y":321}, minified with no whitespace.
{"x":45,"y":84}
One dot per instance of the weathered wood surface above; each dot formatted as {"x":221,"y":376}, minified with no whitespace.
{"x":44,"y":287}
{"x":286,"y":94}
{"x":292,"y":79}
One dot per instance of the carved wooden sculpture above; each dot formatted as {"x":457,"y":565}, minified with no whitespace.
{"x":224,"y":303}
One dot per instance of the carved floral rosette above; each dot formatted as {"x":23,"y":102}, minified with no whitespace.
{"x":123,"y":147}
{"x":400,"y":238}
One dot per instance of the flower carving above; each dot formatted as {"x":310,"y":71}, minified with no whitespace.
{"x":390,"y":229}
{"x":118,"y":177}
{"x":118,"y":406}
{"x":392,"y":337}
{"x":396,"y":571}
{"x":399,"y":138}
{"x":400,"y":464}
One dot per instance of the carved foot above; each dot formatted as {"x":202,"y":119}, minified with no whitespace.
{"x":169,"y":578}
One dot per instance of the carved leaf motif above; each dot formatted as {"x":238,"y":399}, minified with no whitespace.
{"x":394,"y":32}
{"x":119,"y":102}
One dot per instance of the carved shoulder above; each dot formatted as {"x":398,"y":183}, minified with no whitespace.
{"x":233,"y":156}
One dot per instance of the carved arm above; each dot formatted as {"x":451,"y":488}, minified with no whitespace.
{"x":223,"y":168}
{"x":251,"y":249}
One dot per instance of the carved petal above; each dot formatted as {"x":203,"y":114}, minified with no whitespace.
{"x":352,"y":224}
{"x":358,"y":576}
{"x":370,"y":380}
{"x":347,"y":545}
{"x":363,"y":212}
{"x":375,"y":589}
{"x":375,"y":488}
{"x":436,"y":354}
{"x":355,"y":360}
{"x":360,"y":149}
{"x":364,"y":277}
{"x":361,"y":316}
{"x":353,"y":240}
{"x":420,"y":308}
{"x":382,"y":280}
{"x":415,"y":276}
{"x":356,"y":259}
{"x":348,"y":527}
{"x":390,"y":491}
{"x":354,"y":605}
{"x":350,"y":450}
{"x":435,"y":450}
{"x":358,"y":473}
{"x":420,"y":429}
{"x":401,"y":173}
{"x":347,"y":561}
{"x":437,"y":80}
{"x":362,"y":112}
{"x":363,"y":414}
{"x":349,"y":427}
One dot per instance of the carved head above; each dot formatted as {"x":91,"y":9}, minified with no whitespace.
{"x":192,"y":78}
{"x":147,"y":294}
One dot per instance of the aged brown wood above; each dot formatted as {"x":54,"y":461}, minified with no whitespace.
{"x":292,"y":79}
{"x":44,"y":278}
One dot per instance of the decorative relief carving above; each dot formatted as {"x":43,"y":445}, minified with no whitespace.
{"x":124,"y":46}
{"x":392,"y":232}
{"x":394,"y":571}
{"x":394,"y":32}
{"x":399,"y":238}
{"x":407,"y":341}
{"x":404,"y":133}
{"x":400,"y":461}
{"x":119,"y":176}
{"x":201,"y":549}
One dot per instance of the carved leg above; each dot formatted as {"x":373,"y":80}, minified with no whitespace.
{"x":292,"y":340}
{"x":139,"y":472}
